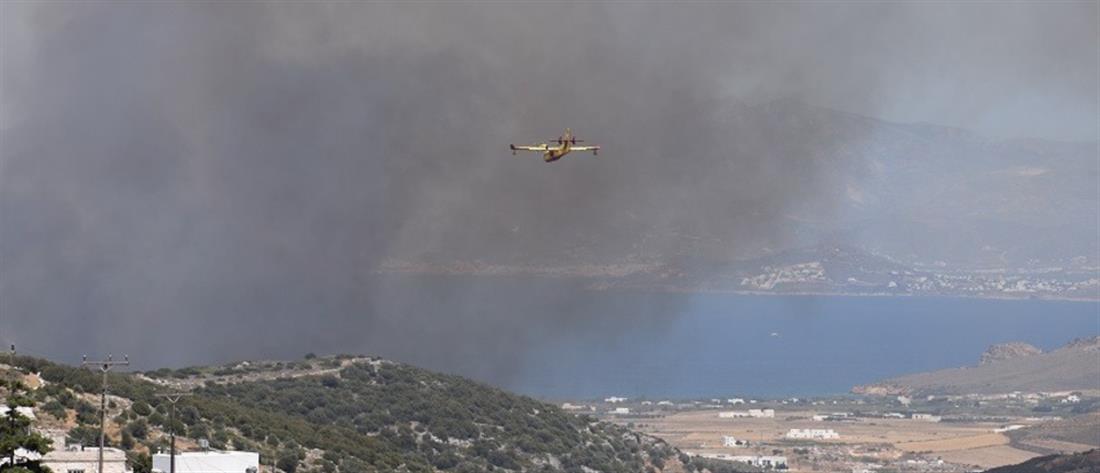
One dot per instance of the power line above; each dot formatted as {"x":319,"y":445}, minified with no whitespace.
{"x":173,"y":398}
{"x":104,"y":366}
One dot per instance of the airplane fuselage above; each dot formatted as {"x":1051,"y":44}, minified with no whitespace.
{"x":554,"y":153}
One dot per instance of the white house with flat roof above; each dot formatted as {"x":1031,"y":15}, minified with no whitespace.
{"x":812,"y":434}
{"x":211,"y":461}
{"x":731,"y":441}
{"x":762,"y":461}
{"x":85,"y":460}
{"x":756,"y":413}
{"x":768,"y":462}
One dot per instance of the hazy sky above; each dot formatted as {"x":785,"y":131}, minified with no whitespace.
{"x":170,"y":167}
{"x":1006,"y":69}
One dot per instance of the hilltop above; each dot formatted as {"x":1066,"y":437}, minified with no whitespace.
{"x":1007,"y":351}
{"x":344,"y":414}
{"x":1075,"y":366}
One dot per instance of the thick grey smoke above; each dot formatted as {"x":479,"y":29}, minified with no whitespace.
{"x":199,"y":182}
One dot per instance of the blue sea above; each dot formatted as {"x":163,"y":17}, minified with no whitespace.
{"x":775,"y":346}
{"x":555,"y":339}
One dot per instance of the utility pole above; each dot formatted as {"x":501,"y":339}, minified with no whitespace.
{"x":104,"y":366}
{"x":11,"y":394}
{"x":173,"y":398}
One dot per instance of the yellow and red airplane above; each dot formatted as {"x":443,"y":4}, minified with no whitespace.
{"x":553,"y":152}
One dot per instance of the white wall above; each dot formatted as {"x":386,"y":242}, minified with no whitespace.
{"x":208,"y":462}
{"x":87,"y":460}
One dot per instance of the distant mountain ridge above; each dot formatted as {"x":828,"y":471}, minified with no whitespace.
{"x":1075,"y":366}
{"x":922,"y":195}
{"x":821,"y":270}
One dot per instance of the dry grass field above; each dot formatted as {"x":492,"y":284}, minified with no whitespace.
{"x":706,"y":426}
{"x":964,"y":443}
{"x":987,"y":457}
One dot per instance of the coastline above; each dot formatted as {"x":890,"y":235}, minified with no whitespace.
{"x":600,"y":284}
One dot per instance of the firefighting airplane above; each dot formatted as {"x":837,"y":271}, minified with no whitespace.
{"x":565,"y":144}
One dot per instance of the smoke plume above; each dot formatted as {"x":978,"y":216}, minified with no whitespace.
{"x":201,"y":182}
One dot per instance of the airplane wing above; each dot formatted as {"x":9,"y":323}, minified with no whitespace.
{"x":541,"y":147}
{"x":585,"y":148}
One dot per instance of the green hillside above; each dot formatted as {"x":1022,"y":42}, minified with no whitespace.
{"x":346,"y":415}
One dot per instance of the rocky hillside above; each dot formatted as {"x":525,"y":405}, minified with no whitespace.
{"x":1063,"y":435}
{"x":1087,"y":462}
{"x":344,"y":415}
{"x":1075,"y":366}
{"x":1007,"y":351}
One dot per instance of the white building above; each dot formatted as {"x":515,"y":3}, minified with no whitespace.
{"x":761,"y":412}
{"x":212,"y":461}
{"x":768,"y":462}
{"x":756,"y":413}
{"x":85,"y":460}
{"x":735,"y":400}
{"x":926,"y":417}
{"x":1008,"y":428}
{"x":620,"y":410}
{"x":730,"y":441}
{"x":21,"y":410}
{"x":812,"y":434}
{"x":614,"y":400}
{"x":21,"y":455}
{"x":832,"y":416}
